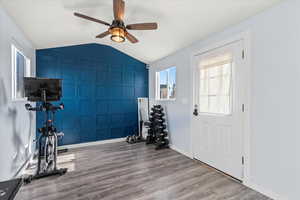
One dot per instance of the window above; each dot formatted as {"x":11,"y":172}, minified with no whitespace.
{"x":166,"y":84}
{"x":216,"y":85}
{"x":20,"y":69}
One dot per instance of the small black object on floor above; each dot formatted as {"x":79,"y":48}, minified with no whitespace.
{"x":134,"y":139}
{"x":9,"y":189}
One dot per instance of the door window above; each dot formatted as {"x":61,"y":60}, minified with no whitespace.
{"x":215,"y":95}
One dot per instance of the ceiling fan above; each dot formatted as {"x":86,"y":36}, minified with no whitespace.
{"x":117,"y":29}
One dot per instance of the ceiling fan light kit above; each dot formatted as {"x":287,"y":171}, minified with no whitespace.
{"x":117,"y":29}
{"x":117,"y":35}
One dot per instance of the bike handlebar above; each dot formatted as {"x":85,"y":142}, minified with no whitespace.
{"x":44,"y":108}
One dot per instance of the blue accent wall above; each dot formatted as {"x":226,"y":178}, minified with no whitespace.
{"x":100,"y":90}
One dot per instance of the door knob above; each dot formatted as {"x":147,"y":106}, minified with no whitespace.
{"x":195,"y":110}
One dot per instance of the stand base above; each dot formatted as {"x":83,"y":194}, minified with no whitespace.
{"x":55,"y":172}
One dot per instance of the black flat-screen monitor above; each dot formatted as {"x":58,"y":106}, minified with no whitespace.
{"x":36,"y":87}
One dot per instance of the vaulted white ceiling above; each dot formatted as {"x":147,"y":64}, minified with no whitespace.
{"x":50,"y":23}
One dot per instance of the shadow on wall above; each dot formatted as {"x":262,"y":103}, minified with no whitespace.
{"x":17,"y":140}
{"x":30,"y":131}
{"x":3,"y":94}
{"x":21,"y":152}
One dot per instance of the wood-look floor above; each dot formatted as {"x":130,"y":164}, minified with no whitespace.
{"x":134,"y":172}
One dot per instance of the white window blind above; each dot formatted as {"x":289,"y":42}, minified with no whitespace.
{"x":215,"y":95}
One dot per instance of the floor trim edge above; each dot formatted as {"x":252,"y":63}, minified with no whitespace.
{"x":264,"y":191}
{"x":25,"y":165}
{"x":181,"y":151}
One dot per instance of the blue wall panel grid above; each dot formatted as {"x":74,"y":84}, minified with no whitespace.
{"x":100,"y":90}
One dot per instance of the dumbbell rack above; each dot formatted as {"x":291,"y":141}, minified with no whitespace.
{"x":157,"y":132}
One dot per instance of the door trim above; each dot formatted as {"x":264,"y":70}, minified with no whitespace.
{"x":246,"y":61}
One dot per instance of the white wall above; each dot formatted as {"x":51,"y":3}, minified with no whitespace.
{"x":179,"y":113}
{"x":275,"y":97}
{"x":17,"y":126}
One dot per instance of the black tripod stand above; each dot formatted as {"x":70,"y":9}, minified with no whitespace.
{"x":47,"y":142}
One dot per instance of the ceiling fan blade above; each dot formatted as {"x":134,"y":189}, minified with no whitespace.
{"x":142,"y":26}
{"x":131,"y":38}
{"x":102,"y":35}
{"x":91,"y":19}
{"x":119,"y":9}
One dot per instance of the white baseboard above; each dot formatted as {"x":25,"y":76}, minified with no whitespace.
{"x":74,"y":146}
{"x":264,"y":191}
{"x":180,"y":151}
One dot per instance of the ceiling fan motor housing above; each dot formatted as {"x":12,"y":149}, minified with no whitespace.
{"x":117,"y":24}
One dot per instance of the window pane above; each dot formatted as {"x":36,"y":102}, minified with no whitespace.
{"x":213,"y":104}
{"x":163,"y":84}
{"x":172,"y":82}
{"x":226,"y":85}
{"x":203,"y":74}
{"x":215,"y":71}
{"x":20,"y":72}
{"x":166,"y":80}
{"x":204,"y":104}
{"x":215,"y":88}
{"x":214,"y":85}
{"x":226,"y":69}
{"x":204,"y":87}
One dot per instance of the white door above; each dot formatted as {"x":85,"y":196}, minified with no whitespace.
{"x":218,"y":91}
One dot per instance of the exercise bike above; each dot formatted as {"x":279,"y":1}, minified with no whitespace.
{"x":43,"y":91}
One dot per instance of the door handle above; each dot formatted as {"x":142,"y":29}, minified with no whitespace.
{"x":195,"y":113}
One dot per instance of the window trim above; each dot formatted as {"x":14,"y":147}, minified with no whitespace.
{"x":157,"y":84}
{"x":27,"y":72}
